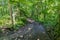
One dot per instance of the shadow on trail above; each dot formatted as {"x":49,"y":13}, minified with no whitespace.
{"x":31,"y":31}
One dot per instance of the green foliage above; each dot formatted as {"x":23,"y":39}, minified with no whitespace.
{"x":46,"y":11}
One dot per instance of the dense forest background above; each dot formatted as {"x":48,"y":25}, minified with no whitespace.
{"x":13,"y":13}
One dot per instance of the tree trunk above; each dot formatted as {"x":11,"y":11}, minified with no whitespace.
{"x":11,"y":12}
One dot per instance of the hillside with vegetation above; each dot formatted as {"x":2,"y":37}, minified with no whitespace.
{"x":14,"y":15}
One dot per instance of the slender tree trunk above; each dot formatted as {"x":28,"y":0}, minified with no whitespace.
{"x":11,"y":12}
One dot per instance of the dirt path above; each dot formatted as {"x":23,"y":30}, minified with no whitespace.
{"x":31,"y":31}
